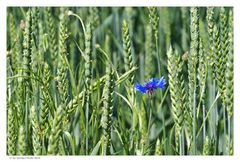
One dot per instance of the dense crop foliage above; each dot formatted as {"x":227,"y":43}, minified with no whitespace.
{"x":79,"y":81}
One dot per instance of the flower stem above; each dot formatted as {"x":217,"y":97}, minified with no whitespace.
{"x":150,"y":115}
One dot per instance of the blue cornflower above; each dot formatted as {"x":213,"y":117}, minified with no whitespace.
{"x":151,"y":85}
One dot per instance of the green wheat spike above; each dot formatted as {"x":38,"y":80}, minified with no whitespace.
{"x":148,"y":52}
{"x":222,"y":54}
{"x":88,"y":56}
{"x":229,"y":145}
{"x":27,"y":69}
{"x":128,"y":60}
{"x":63,"y":90}
{"x":20,"y":102}
{"x":34,"y":39}
{"x":192,"y":70}
{"x":174,"y":68}
{"x":56,"y":131}
{"x":46,"y":98}
{"x":154,"y":19}
{"x":206,"y":146}
{"x":21,"y":145}
{"x":159,"y":147}
{"x":35,"y":18}
{"x":11,"y":132}
{"x":202,"y":71}
{"x":106,"y":121}
{"x":88,"y":78}
{"x":229,"y":70}
{"x":14,"y":42}
{"x":210,"y":22}
{"x":229,"y":83}
{"x":52,"y":38}
{"x":220,"y":69}
{"x":27,"y":50}
{"x":95,"y":19}
{"x":62,"y":82}
{"x":62,"y":69}
{"x":36,"y":140}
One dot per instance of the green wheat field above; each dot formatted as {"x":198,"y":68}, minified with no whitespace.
{"x":86,"y":81}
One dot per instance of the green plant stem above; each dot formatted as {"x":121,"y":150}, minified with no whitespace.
{"x":164,"y":131}
{"x":204,"y":123}
{"x":163,"y":119}
{"x":158,"y":57}
{"x":229,"y":134}
{"x":216,"y":118}
{"x":87,"y":118}
{"x":150,"y":115}
{"x":194,"y":122}
{"x":224,"y":129}
{"x":215,"y":111}
{"x":209,"y":112}
{"x":26,"y":116}
{"x":182,"y":143}
{"x":161,"y":95}
{"x":82,"y":24}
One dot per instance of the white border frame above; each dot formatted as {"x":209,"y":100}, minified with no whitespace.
{"x":3,"y":9}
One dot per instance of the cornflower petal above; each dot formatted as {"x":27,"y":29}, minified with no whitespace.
{"x":161,"y":83}
{"x":140,"y":88}
{"x":154,"y":82}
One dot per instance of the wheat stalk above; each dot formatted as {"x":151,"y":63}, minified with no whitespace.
{"x":192,"y":70}
{"x":88,"y":76}
{"x":202,"y":77}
